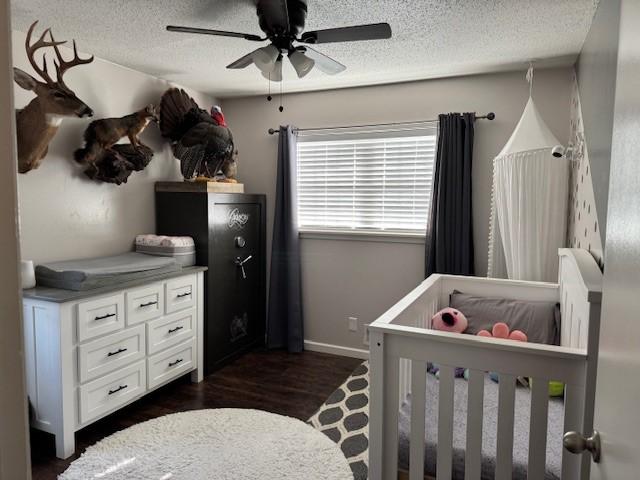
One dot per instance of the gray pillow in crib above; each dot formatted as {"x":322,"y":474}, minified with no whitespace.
{"x":539,"y":320}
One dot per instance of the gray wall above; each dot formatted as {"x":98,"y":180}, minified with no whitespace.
{"x":358,"y":278}
{"x":596,"y":69}
{"x":63,"y":214}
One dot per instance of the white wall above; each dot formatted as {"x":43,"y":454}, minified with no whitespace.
{"x":363,"y":279}
{"x":583,"y":227}
{"x":65,"y":215}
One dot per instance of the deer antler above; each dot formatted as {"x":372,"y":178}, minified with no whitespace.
{"x":62,"y":65}
{"x":40,"y":43}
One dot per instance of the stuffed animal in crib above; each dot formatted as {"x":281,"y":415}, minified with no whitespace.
{"x":448,"y":320}
{"x":501,"y":330}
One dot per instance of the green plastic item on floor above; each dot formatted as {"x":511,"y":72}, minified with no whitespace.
{"x":556,"y":389}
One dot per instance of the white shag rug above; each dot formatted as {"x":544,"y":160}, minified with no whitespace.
{"x":221,"y":444}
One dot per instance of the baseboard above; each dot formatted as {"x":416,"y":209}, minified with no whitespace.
{"x":336,"y":349}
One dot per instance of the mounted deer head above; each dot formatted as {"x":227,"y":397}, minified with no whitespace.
{"x":38,"y":122}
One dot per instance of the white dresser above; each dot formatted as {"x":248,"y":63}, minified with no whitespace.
{"x":90,"y":353}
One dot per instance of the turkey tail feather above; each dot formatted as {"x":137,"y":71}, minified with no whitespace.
{"x":174,"y":105}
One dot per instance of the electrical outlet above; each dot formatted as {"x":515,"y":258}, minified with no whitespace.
{"x":365,"y":340}
{"x":353,"y":324}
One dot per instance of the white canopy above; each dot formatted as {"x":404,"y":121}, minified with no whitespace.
{"x":529,"y":203}
{"x":531,"y":133}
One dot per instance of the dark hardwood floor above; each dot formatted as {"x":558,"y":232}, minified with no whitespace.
{"x":288,"y":384}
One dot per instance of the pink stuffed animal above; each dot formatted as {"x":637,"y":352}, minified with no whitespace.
{"x":501,"y":330}
{"x":449,"y":320}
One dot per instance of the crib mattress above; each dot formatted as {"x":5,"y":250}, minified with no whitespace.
{"x":92,"y":273}
{"x":490,"y":421}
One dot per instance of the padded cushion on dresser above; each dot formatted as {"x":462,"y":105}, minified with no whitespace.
{"x":91,"y":273}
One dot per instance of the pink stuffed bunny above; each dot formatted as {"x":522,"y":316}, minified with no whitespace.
{"x":449,"y":320}
{"x":501,"y":330}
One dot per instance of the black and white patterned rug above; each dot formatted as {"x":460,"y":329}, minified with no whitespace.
{"x":344,"y":418}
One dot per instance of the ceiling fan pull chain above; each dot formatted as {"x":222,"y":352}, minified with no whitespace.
{"x":269,"y":97}
{"x":281,"y":108}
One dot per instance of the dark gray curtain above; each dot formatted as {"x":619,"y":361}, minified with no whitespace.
{"x":284,"y":322}
{"x":449,"y":246}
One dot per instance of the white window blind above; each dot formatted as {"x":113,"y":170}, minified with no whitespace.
{"x":366,"y":184}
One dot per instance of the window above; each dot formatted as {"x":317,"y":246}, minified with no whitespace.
{"x":381,"y":183}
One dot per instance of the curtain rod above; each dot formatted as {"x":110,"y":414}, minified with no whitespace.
{"x":488,"y":116}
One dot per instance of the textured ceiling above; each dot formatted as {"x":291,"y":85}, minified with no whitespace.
{"x":431,"y":38}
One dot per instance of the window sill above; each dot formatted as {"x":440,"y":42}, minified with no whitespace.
{"x":360,"y":236}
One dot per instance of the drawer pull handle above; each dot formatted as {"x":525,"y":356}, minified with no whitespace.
{"x":148,"y":304}
{"x":182,"y":295}
{"x":102,"y":317}
{"x":173,"y":364}
{"x":120,"y":350}
{"x":173,"y":330}
{"x":116,"y":390}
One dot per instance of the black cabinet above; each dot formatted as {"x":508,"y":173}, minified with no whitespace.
{"x":229,"y":232}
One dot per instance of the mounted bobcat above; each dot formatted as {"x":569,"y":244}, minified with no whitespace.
{"x":39,"y":121}
{"x":107,"y":161}
{"x":104,"y":133}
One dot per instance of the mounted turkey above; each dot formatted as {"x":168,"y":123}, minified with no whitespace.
{"x":202,"y":141}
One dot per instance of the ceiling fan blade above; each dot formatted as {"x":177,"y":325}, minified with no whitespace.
{"x":219,"y":33}
{"x":243,"y":62}
{"x":325,"y":64}
{"x":374,"y":31}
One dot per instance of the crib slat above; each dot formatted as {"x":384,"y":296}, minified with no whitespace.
{"x":416,"y":446}
{"x":405,"y":378}
{"x":504,"y":448}
{"x":573,"y":406}
{"x":390,"y":417}
{"x":475,"y":400}
{"x":538,"y":428}
{"x":445,"y":423}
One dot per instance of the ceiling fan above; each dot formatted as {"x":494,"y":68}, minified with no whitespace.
{"x":283,"y":21}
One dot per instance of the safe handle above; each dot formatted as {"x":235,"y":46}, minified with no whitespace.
{"x":240,"y":263}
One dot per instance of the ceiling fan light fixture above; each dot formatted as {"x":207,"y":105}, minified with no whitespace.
{"x":265,"y":58}
{"x":275,"y":75}
{"x":302,"y":64}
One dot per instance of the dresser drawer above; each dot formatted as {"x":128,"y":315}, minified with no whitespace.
{"x":170,"y":330}
{"x":109,"y":353}
{"x":112,"y":391}
{"x":171,"y":363}
{"x":180,"y":293}
{"x":100,"y":316}
{"x":145,"y":303}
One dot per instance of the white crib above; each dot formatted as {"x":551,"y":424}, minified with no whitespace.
{"x":401,"y":344}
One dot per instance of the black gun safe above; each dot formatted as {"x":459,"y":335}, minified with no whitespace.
{"x":229,"y":233}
